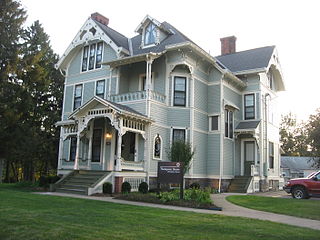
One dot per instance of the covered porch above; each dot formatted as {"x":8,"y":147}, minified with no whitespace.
{"x":102,"y":135}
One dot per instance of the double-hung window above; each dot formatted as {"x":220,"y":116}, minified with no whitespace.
{"x":271,"y":155}
{"x":178,"y":135}
{"x":228,"y":127}
{"x":249,"y":107}
{"x":73,"y":149}
{"x":179,"y":92}
{"x":77,"y":96}
{"x":150,"y":34}
{"x":92,"y":56}
{"x":100,"y":88}
{"x":214,"y":123}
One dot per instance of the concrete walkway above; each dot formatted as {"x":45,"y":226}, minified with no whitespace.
{"x":228,"y":209}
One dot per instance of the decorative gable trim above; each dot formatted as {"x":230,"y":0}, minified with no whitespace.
{"x":89,"y":32}
{"x":145,"y":22}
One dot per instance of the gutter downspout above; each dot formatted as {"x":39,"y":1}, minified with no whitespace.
{"x":221,"y":132}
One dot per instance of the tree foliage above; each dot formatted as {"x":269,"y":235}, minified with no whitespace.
{"x":30,"y":101}
{"x":181,"y":151}
{"x":313,"y":131}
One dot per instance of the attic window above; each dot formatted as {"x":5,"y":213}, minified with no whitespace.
{"x":92,"y":56}
{"x":93,"y":31}
{"x":150,"y":34}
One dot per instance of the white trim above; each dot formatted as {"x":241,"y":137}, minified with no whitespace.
{"x":254,"y":104}
{"x":141,"y":81}
{"x":87,"y":80}
{"x":210,"y":123}
{"x":226,"y":84}
{"x":104,"y":90}
{"x":87,"y":44}
{"x":186,"y":76}
{"x":73,"y":96}
{"x":161,"y":147}
{"x":178,"y":128}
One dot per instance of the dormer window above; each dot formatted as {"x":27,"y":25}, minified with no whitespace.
{"x":92,"y":56}
{"x":150,"y":34}
{"x":270,"y":80}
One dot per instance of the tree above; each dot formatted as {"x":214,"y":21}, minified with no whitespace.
{"x":293,"y":136}
{"x":313,"y":131}
{"x":181,"y":151}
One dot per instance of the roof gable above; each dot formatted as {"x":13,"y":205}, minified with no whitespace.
{"x":93,"y":31}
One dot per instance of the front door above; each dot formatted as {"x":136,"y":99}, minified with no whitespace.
{"x":249,"y":156}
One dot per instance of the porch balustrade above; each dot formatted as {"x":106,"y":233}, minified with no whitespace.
{"x":131,"y":165}
{"x":134,"y":96}
{"x":255,"y":170}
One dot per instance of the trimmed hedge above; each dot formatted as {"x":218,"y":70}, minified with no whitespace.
{"x":143,"y":187}
{"x":125,"y":187}
{"x":107,"y":188}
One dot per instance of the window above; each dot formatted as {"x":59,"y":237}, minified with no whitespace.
{"x":96,"y":145}
{"x":249,"y":108}
{"x":178,"y":135}
{"x":214,"y":123}
{"x":150,"y":34}
{"x":73,"y":149}
{"x":270,"y":80}
{"x":271,"y":155}
{"x":92,"y":56}
{"x":179,"y":92}
{"x":100,"y":88}
{"x":77,"y":96}
{"x":228,"y":127}
{"x":157,"y":147}
{"x":99,"y":55}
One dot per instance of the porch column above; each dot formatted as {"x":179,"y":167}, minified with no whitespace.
{"x":60,"y":150}
{"x":118,"y":166}
{"x":76,"y":161}
{"x":90,"y":146}
{"x":148,"y":85}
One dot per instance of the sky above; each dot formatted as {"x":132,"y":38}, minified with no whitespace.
{"x":291,"y":25}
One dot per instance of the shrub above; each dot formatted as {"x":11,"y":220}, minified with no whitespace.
{"x":195,"y":185}
{"x":143,"y":187}
{"x":45,"y":181}
{"x":126,"y":187}
{"x":107,"y":188}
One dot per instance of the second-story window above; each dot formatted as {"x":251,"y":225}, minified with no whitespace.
{"x":214,"y":123}
{"x":92,"y":56}
{"x":77,"y":96}
{"x":249,"y":107}
{"x":100,"y":88}
{"x":150,"y":34}
{"x":271,"y":155}
{"x":228,"y":126}
{"x":179,"y":91}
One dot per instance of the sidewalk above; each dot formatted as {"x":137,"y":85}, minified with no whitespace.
{"x":228,"y":209}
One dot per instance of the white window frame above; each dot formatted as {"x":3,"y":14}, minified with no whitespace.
{"x":101,"y":146}
{"x":228,"y":137}
{"x":254,"y":105}
{"x":74,"y":90}
{"x":178,"y":128}
{"x":141,"y":76}
{"x":210,"y":123}
{"x":156,"y":42}
{"x":187,"y":89}
{"x":95,"y":57}
{"x":154,"y":139}
{"x":104,"y":90}
{"x":69,"y":153}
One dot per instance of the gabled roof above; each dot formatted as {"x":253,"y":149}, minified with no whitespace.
{"x":257,"y":58}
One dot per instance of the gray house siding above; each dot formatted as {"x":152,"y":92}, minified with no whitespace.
{"x":213,"y":162}
{"x":200,"y":158}
{"x":179,"y":117}
{"x":228,"y":162}
{"x":200,"y":95}
{"x":68,"y":102}
{"x":159,"y":113}
{"x":88,"y":91}
{"x":214,"y":99}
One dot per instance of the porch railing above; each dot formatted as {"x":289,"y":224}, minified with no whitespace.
{"x":134,"y":96}
{"x":131,"y":165}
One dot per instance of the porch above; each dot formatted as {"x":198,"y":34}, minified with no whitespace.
{"x":103,"y":136}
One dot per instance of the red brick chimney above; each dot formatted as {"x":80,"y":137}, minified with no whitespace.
{"x":228,"y":45}
{"x":100,"y":18}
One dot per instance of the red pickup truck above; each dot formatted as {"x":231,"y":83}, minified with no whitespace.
{"x":304,"y":187}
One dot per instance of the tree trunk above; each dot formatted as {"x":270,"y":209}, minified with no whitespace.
{"x":1,"y":168}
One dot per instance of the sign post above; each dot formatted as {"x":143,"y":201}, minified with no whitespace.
{"x":171,"y":172}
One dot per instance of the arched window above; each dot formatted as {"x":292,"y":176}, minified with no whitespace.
{"x":157,"y":147}
{"x":150,"y":34}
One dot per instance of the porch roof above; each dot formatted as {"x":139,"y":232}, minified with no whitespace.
{"x":119,"y":108}
{"x":247,"y":126}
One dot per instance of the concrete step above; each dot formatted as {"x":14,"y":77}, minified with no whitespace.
{"x":72,"y":191}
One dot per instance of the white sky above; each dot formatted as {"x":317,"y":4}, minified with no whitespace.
{"x":293,"y":26}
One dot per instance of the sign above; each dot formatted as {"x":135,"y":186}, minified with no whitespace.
{"x":170,"y":172}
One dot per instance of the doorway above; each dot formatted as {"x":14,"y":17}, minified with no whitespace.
{"x":249,"y":156}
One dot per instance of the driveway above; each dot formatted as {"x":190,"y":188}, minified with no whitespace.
{"x":279,"y":194}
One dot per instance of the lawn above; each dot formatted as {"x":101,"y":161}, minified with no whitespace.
{"x":304,"y":208}
{"x":24,"y":215}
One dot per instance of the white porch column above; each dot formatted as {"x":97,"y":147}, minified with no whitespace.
{"x":109,"y":85}
{"x":60,"y":148}
{"x":90,"y":145}
{"x":76,"y":161}
{"x":148,"y":85}
{"x":118,"y":166}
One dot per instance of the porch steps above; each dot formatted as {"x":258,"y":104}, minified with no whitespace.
{"x":239,"y":184}
{"x":79,"y":181}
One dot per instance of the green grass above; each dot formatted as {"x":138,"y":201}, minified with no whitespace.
{"x":24,"y":215}
{"x":304,"y":208}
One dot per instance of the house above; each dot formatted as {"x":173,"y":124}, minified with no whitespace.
{"x":297,"y":167}
{"x":127,"y":99}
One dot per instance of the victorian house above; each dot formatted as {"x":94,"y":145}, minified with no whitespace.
{"x":127,"y":99}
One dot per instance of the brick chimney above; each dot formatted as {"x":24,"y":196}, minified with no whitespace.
{"x":100,"y":18}
{"x":228,"y":45}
